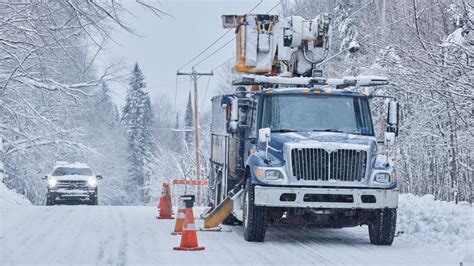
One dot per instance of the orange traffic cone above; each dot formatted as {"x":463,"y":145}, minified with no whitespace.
{"x":188,"y":236}
{"x":178,"y":226}
{"x":165,"y":208}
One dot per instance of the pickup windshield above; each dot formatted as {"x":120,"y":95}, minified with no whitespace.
{"x":60,"y":171}
{"x":306,"y":113}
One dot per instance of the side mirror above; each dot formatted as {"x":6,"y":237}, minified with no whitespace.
{"x":98,"y":177}
{"x":44,"y":177}
{"x":389,"y":139}
{"x":393,"y":117}
{"x":264,"y":134}
{"x":232,"y":114}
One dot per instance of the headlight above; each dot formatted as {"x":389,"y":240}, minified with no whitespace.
{"x":382,"y":178}
{"x":52,"y":182}
{"x":92,"y":182}
{"x":268,"y":174}
{"x":273,"y":174}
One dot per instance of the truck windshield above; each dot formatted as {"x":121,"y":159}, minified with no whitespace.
{"x":306,"y":113}
{"x":60,"y":171}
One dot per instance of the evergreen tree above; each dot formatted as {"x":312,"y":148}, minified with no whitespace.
{"x":105,"y":108}
{"x":189,"y":122}
{"x":177,"y":136}
{"x":137,"y":117}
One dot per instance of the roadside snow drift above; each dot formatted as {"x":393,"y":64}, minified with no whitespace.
{"x":9,"y":197}
{"x":424,"y":220}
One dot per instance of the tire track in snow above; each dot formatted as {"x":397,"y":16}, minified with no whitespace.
{"x":109,"y":240}
{"x":132,"y":235}
{"x":297,"y":240}
{"x":122,"y":252}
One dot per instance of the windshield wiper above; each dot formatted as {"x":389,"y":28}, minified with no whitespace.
{"x":328,"y":130}
{"x":283,"y":130}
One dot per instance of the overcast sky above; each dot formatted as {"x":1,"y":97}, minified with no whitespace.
{"x":167,"y":43}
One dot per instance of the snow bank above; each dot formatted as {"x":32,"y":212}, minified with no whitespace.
{"x":428,"y":221}
{"x":9,"y":197}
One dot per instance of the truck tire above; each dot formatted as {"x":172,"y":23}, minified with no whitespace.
{"x":382,"y":227}
{"x":254,"y":216}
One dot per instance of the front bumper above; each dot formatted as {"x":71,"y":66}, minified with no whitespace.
{"x":72,"y":194}
{"x":344,"y":198}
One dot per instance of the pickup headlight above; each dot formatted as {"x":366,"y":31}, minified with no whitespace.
{"x":382,"y":178}
{"x":92,"y":182}
{"x":268,"y":174}
{"x":52,"y":182}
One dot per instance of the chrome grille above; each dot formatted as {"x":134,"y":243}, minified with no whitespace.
{"x":316,"y":164}
{"x":71,"y":183}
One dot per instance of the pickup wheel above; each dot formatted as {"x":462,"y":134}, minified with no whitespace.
{"x":49,"y":202}
{"x":382,"y":227}
{"x":94,"y":201}
{"x":254,"y":216}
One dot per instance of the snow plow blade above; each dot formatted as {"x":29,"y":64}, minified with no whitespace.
{"x":216,"y":216}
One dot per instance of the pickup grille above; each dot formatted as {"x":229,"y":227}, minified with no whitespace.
{"x":316,"y":164}
{"x":73,"y":184}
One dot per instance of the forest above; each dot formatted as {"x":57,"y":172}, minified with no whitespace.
{"x":56,"y":104}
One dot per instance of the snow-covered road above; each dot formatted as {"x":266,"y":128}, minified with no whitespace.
{"x":132,"y":235}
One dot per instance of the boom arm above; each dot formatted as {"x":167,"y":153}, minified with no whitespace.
{"x":268,"y":44}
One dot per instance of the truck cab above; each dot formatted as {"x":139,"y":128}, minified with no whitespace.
{"x":303,"y":155}
{"x":72,"y":183}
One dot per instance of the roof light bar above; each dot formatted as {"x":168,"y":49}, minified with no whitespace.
{"x":359,"y":81}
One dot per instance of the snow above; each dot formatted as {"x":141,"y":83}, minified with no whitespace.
{"x":72,"y":177}
{"x":353,"y":46}
{"x":434,"y":233}
{"x":11,"y":198}
{"x":71,"y":165}
{"x":455,"y":39}
{"x":440,"y":223}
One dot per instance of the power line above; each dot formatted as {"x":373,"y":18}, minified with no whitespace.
{"x":214,"y":42}
{"x":203,"y":51}
{"x":175,"y":94}
{"x":275,"y":6}
{"x":223,"y":63}
{"x":215,"y":51}
{"x":169,"y":84}
{"x":270,"y":10}
{"x":205,"y":92}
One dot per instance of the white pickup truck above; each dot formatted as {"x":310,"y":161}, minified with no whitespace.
{"x":72,"y":182}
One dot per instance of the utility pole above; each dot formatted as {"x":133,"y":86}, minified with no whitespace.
{"x":195,"y":76}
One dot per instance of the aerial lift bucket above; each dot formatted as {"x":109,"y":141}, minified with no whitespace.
{"x":217,"y":215}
